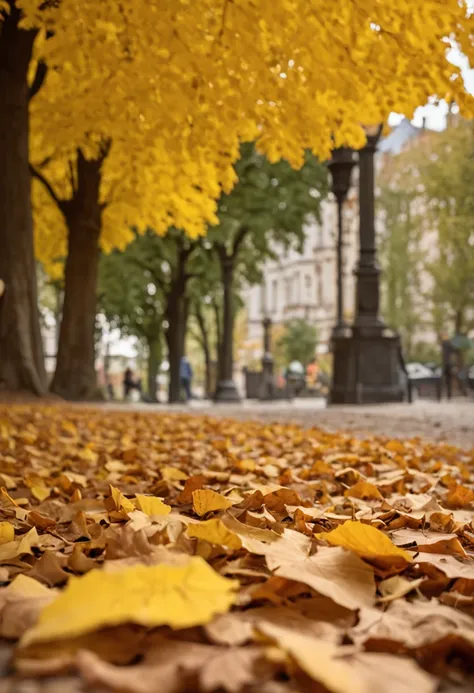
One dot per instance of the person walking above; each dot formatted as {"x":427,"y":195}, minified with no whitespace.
{"x":186,"y":376}
{"x":448,"y":355}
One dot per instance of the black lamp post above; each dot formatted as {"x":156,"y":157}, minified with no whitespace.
{"x":366,"y":367}
{"x":341,"y":164}
{"x":267,"y":390}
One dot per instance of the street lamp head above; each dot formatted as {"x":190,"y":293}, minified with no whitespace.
{"x":343,"y":160}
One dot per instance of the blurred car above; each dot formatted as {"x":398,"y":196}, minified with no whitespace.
{"x":418,"y":370}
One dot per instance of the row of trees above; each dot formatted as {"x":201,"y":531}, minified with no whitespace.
{"x":427,"y":248}
{"x":159,"y":285}
{"x":132,"y":114}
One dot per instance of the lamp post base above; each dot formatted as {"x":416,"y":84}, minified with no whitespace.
{"x":226,"y":391}
{"x":366,"y":370}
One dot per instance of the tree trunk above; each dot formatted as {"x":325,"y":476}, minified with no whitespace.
{"x":176,"y":315}
{"x":75,"y":376}
{"x":154,"y":361}
{"x":21,"y":348}
{"x":459,"y":321}
{"x":226,"y":362}
{"x":204,"y":341}
{"x":217,"y":318}
{"x":174,"y":341}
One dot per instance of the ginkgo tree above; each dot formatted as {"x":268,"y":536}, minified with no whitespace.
{"x":189,"y":82}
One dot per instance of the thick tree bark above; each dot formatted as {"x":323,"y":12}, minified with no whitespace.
{"x":226,"y":362}
{"x":21,"y":349}
{"x":154,"y":361}
{"x":75,"y":376}
{"x":177,"y":309}
{"x":206,"y":349}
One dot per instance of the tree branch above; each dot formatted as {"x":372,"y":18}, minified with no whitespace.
{"x":39,"y":176}
{"x":239,"y":239}
{"x":38,"y":80}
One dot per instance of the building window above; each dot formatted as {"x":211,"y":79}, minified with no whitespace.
{"x":308,"y":286}
{"x":296,"y":279}
{"x":319,"y":285}
{"x":274,"y":296}
{"x":288,"y":291}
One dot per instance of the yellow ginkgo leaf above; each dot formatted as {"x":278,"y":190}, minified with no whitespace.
{"x":7,"y":532}
{"x":12,"y":549}
{"x":364,"y":490}
{"x":121,"y":502}
{"x":316,"y":658}
{"x":151,"y":505}
{"x":366,"y":541}
{"x":215,"y":532}
{"x":173,"y":474}
{"x":206,"y":501}
{"x":180,"y":596}
{"x":40,"y":493}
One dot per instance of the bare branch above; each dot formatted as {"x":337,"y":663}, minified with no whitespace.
{"x":38,"y":80}
{"x":39,"y":176}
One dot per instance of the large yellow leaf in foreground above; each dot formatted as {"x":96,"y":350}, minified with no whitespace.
{"x":178,"y":596}
{"x":368,"y":542}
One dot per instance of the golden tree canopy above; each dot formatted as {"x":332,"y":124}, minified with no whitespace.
{"x":177,"y":84}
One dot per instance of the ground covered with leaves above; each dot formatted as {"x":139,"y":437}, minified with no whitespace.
{"x":177,"y":554}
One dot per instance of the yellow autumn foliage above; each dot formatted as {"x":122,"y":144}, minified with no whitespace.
{"x":177,"y":85}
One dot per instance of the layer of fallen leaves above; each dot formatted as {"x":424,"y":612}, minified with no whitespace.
{"x":143,"y":553}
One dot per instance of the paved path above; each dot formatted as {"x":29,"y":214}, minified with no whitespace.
{"x":452,"y":422}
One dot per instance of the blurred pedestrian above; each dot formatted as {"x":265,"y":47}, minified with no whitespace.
{"x":448,"y":357}
{"x":130,"y":383}
{"x":186,"y":376}
{"x":312,"y":372}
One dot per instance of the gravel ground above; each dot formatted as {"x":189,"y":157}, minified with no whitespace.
{"x":451,"y":422}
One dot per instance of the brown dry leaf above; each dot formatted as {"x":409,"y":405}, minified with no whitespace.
{"x":20,"y":605}
{"x":335,"y":573}
{"x":292,"y":493}
{"x":386,"y":673}
{"x":450,"y":566}
{"x":49,"y":569}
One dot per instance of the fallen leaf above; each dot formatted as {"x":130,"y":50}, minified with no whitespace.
{"x":179,"y":596}
{"x":152,"y":506}
{"x":215,"y":532}
{"x":397,"y":587}
{"x":7,"y":533}
{"x":364,"y":490}
{"x":335,"y":573}
{"x":367,"y":542}
{"x":207,"y":501}
{"x":316,"y":658}
{"x":20,"y":546}
{"x":121,"y":501}
{"x":173,"y":474}
{"x":20,"y":604}
{"x":386,"y":673}
{"x":40,"y":493}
